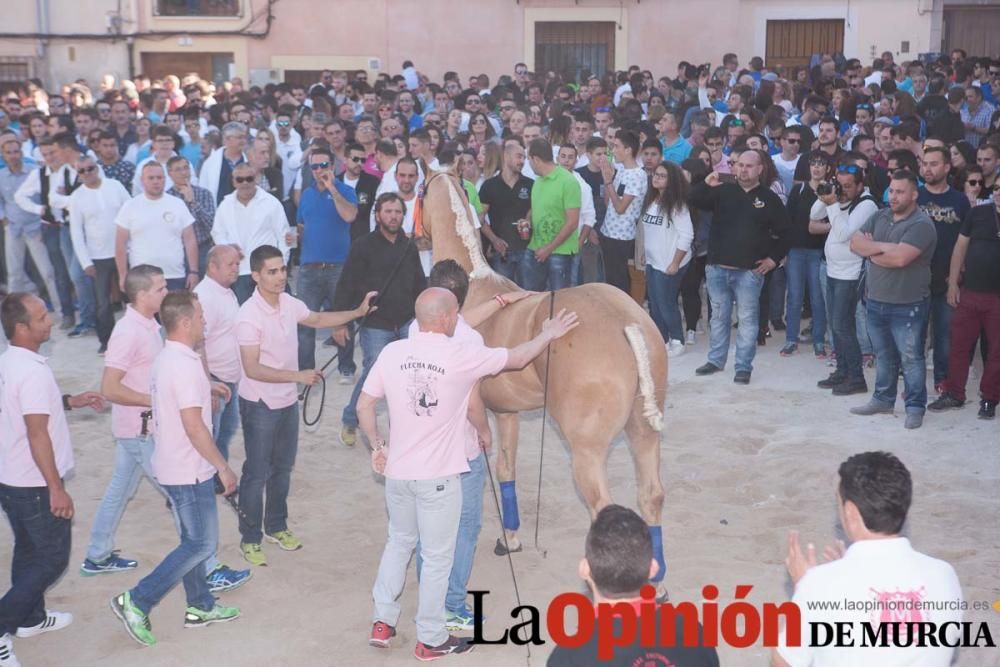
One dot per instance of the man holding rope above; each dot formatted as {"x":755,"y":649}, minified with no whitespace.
{"x":427,"y":381}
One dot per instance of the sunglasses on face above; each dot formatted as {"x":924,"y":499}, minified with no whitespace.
{"x":315,"y":166}
{"x":818,"y":164}
{"x":791,"y":141}
{"x":358,"y":160}
{"x":974,"y":181}
{"x":284,"y":123}
{"x":87,"y":170}
{"x":520,"y":71}
{"x":243,"y":179}
{"x":507,"y":107}
{"x":479,"y":121}
{"x":848,"y":169}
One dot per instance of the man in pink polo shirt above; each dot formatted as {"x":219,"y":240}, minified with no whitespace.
{"x":267,"y":332}
{"x":35,"y":455}
{"x":185,"y":461}
{"x":427,"y":381}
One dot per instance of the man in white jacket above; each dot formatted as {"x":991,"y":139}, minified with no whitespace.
{"x":841,"y":215}
{"x":248,"y":218}
{"x":93,"y":208}
{"x":217,"y":170}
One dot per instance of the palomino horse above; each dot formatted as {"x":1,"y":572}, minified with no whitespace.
{"x":607,"y":375}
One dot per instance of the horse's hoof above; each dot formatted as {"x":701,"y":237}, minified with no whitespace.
{"x":501,"y":550}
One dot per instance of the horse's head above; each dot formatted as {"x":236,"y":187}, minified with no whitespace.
{"x":448,"y":220}
{"x":434,"y":208}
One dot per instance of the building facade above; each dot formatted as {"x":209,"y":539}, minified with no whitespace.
{"x":59,"y":41}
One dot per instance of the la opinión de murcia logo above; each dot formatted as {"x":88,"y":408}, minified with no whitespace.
{"x":896,"y":621}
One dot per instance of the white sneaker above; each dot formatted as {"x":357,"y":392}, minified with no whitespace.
{"x":346,"y":379}
{"x":692,"y":337}
{"x":7,"y":657}
{"x":54,"y":620}
{"x":675,"y":348}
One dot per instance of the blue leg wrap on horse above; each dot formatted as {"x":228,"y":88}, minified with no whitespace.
{"x":656,"y":534}
{"x":508,"y":498}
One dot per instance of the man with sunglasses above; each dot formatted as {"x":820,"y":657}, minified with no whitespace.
{"x":326,"y":216}
{"x":248,"y":218}
{"x":364,"y":185}
{"x":788,"y":159}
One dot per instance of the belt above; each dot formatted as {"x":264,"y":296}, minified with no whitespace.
{"x":321,"y":265}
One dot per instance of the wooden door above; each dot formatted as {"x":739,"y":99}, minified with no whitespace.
{"x":975,"y":29}
{"x":571,"y":47}
{"x":791,"y":44}
{"x":159,"y":65}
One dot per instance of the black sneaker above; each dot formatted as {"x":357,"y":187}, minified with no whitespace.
{"x":452,"y":646}
{"x":707,"y":369}
{"x":945,"y":402}
{"x":778,"y":325}
{"x":987,"y":409}
{"x":832,"y":381}
{"x":848,"y":387}
{"x":742,"y":377}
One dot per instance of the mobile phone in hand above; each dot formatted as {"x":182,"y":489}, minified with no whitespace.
{"x":727,"y":178}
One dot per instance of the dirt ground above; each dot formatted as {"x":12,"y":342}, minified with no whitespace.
{"x":741,"y":466}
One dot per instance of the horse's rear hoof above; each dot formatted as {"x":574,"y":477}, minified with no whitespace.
{"x":501,"y":550}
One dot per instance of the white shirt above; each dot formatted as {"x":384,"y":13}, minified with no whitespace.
{"x":841,"y":262}
{"x":155,"y":228}
{"x":92,"y":213}
{"x":621,"y":226}
{"x":260,"y":222}
{"x":291,"y":160}
{"x":786,"y":169}
{"x":588,"y":214}
{"x":31,"y":190}
{"x":389,"y":184}
{"x":663,"y":235}
{"x":169,"y":183}
{"x":887,"y":572}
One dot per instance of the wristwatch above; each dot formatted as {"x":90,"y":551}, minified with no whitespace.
{"x":379,"y":444}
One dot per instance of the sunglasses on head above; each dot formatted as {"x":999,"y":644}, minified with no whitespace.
{"x":87,"y":170}
{"x":603,"y":109}
{"x":848,"y":169}
{"x":319,"y":165}
{"x":865,"y":107}
{"x":283,"y":123}
{"x":736,"y":122}
{"x":243,"y":179}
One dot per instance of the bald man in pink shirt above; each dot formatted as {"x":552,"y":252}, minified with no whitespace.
{"x":35,"y":457}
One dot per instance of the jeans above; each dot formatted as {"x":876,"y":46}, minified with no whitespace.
{"x":17,"y":277}
{"x":725,"y":286}
{"x":977,"y":312}
{"x":898,"y":332}
{"x":82,"y":283}
{"x":803,"y":269}
{"x":864,"y":340}
{"x":41,"y":554}
{"x":777,"y":290}
{"x":316,"y":287}
{"x":554,"y":273}
{"x":194,"y":505}
{"x":132,"y":461}
{"x":64,"y":286}
{"x":372,"y":341}
{"x":226,"y":420}
{"x":107,"y":274}
{"x":510,"y":267}
{"x":662,"y":291}
{"x":428,"y":511}
{"x":244,"y":287}
{"x":271,"y":438}
{"x":203,"y":249}
{"x":843,"y":305}
{"x":823,"y":278}
{"x":940,"y":324}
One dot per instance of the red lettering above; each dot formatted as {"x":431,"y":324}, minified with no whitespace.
{"x":709,"y":616}
{"x":647,"y":617}
{"x":607,"y":640}
{"x":555,"y":620}
{"x":793,"y":623}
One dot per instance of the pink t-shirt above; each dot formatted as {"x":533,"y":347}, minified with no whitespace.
{"x":134,"y":344}
{"x":28,"y":387}
{"x":276,"y":332}
{"x":426,"y":380}
{"x":221,"y":309}
{"x":463,"y":334}
{"x":179,"y":382}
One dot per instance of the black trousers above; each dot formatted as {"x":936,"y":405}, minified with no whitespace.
{"x":107,"y":275}
{"x":616,"y":256}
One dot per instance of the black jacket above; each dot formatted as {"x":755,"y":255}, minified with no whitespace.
{"x":746,"y":226}
{"x":366,"y":188}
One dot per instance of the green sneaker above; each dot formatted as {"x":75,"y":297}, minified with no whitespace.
{"x":349,"y":435}
{"x":285,"y":540}
{"x":199,"y":618}
{"x":136,"y":623}
{"x":461,"y":622}
{"x":253,"y":554}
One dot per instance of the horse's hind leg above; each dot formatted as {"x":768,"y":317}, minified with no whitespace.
{"x":645,"y":444}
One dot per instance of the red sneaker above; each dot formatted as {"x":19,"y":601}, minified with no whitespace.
{"x":381,"y":634}
{"x":453,"y":645}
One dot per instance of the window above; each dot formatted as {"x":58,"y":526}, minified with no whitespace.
{"x":198,"y":8}
{"x":572,"y":48}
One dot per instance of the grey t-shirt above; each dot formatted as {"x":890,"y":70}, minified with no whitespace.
{"x":910,"y":283}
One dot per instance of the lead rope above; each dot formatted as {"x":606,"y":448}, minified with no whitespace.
{"x":545,"y":411}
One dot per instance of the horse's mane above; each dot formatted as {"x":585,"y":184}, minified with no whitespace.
{"x":461,"y":207}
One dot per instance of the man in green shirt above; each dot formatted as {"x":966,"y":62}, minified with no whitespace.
{"x":555,"y":216}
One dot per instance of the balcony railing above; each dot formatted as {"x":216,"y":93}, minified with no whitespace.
{"x":197,"y":8}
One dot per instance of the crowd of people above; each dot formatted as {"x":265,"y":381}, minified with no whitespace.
{"x":862,"y":198}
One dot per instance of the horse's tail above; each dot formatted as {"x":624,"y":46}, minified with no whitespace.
{"x":650,"y":410}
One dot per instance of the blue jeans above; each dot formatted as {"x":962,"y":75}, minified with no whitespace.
{"x":316,"y":287}
{"x":554,"y":273}
{"x":898,"y":332}
{"x":51,"y":236}
{"x":225,"y":421}
{"x":372,"y":341}
{"x":725,"y":286}
{"x":802,"y":269}
{"x":271,"y":438}
{"x":843,"y":305}
{"x":776,"y":293}
{"x":510,"y":267}
{"x":864,"y":340}
{"x":662,"y":291}
{"x":473,"y":483}
{"x":132,"y":461}
{"x":194,"y":505}
{"x":41,"y":554}
{"x":940,"y":323}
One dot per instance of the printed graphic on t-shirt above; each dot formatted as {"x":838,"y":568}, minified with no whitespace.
{"x":657,"y":220}
{"x":943,"y":214}
{"x":421,"y":386}
{"x":523,"y":193}
{"x":898,"y":606}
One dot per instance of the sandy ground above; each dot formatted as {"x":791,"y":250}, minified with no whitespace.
{"x":741,"y":465}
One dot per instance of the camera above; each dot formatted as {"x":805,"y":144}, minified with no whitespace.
{"x":824,"y":189}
